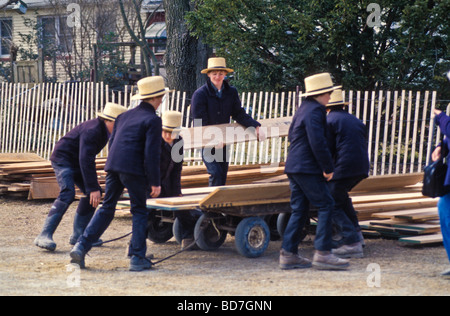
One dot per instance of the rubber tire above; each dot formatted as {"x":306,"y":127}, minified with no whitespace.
{"x":206,"y":235}
{"x":159,"y":232}
{"x":176,"y":229}
{"x":252,"y":237}
{"x":282,"y":221}
{"x":272,"y":222}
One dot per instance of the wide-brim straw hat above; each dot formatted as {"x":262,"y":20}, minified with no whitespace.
{"x":217,"y":63}
{"x":112,"y":111}
{"x":336,"y":98}
{"x":150,"y":87}
{"x":318,"y":84}
{"x":171,"y":121}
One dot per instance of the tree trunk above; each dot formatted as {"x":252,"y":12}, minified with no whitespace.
{"x":185,"y":55}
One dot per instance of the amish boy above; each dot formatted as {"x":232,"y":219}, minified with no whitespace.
{"x":347,"y":138}
{"x":212,"y":104}
{"x":171,"y":168}
{"x":309,"y":166}
{"x":73,"y":161}
{"x":133,"y":163}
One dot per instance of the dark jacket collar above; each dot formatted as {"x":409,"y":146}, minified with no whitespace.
{"x":148,"y":106}
{"x":103,"y":127}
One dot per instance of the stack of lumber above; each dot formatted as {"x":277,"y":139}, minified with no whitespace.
{"x":412,"y":226}
{"x":14,"y":173}
{"x":36,"y":179}
{"x":401,"y":213}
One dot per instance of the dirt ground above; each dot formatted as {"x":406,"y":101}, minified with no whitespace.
{"x":387,"y":269}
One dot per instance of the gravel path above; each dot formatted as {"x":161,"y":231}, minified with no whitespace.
{"x":387,"y":269}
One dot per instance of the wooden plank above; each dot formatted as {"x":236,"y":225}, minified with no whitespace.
{"x":210,"y":136}
{"x":388,"y":181}
{"x":152,"y":204}
{"x":396,"y":205}
{"x":386,"y":197}
{"x":394,"y":214}
{"x":423,"y":240}
{"x":425,"y":228}
{"x":424,"y":216}
{"x":10,"y":158}
{"x":182,"y":200}
{"x":47,"y":189}
{"x":230,"y":196}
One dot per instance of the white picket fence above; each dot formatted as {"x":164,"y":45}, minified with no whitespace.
{"x":33,"y":118}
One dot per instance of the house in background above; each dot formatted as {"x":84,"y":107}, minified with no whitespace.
{"x":62,"y":34}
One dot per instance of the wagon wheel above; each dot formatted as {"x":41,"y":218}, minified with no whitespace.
{"x":158,"y":231}
{"x":206,"y":233}
{"x":282,"y":222}
{"x":177,"y":231}
{"x":252,"y":237}
{"x":272,"y":222}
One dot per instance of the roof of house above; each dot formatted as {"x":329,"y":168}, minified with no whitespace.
{"x":146,"y":5}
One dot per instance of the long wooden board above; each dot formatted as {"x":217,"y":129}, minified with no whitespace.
{"x":227,"y":134}
{"x":400,"y":196}
{"x":397,"y":213}
{"x":6,"y":158}
{"x":423,"y":240}
{"x":253,"y":194}
{"x":182,"y":200}
{"x":424,"y":216}
{"x":388,"y":182}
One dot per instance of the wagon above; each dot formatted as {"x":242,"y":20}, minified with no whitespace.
{"x":254,"y":213}
{"x":247,"y":212}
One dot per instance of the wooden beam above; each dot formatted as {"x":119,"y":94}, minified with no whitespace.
{"x":227,"y":134}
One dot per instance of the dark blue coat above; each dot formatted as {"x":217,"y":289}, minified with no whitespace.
{"x":443,"y":121}
{"x":135,"y":145}
{"x":308,"y":151}
{"x":212,"y":110}
{"x":347,"y":138}
{"x":170,"y":169}
{"x":78,"y":149}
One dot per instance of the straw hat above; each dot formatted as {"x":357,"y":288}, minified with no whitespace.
{"x":171,"y":121}
{"x":336,"y":98}
{"x":150,"y":87}
{"x":217,"y":63}
{"x":112,"y":111}
{"x":318,"y":84}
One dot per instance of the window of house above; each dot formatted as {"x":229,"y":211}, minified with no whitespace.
{"x":6,"y":37}
{"x":57,"y":36}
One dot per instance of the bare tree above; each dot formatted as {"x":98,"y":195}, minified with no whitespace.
{"x":139,"y":37}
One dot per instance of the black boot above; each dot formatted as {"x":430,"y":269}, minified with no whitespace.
{"x":78,"y":254}
{"x":45,"y":238}
{"x":79,"y":225}
{"x":83,"y":216}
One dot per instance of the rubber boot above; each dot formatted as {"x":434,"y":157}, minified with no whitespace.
{"x":83,"y":216}
{"x":45,"y":238}
{"x":80,"y":223}
{"x":78,"y":255}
